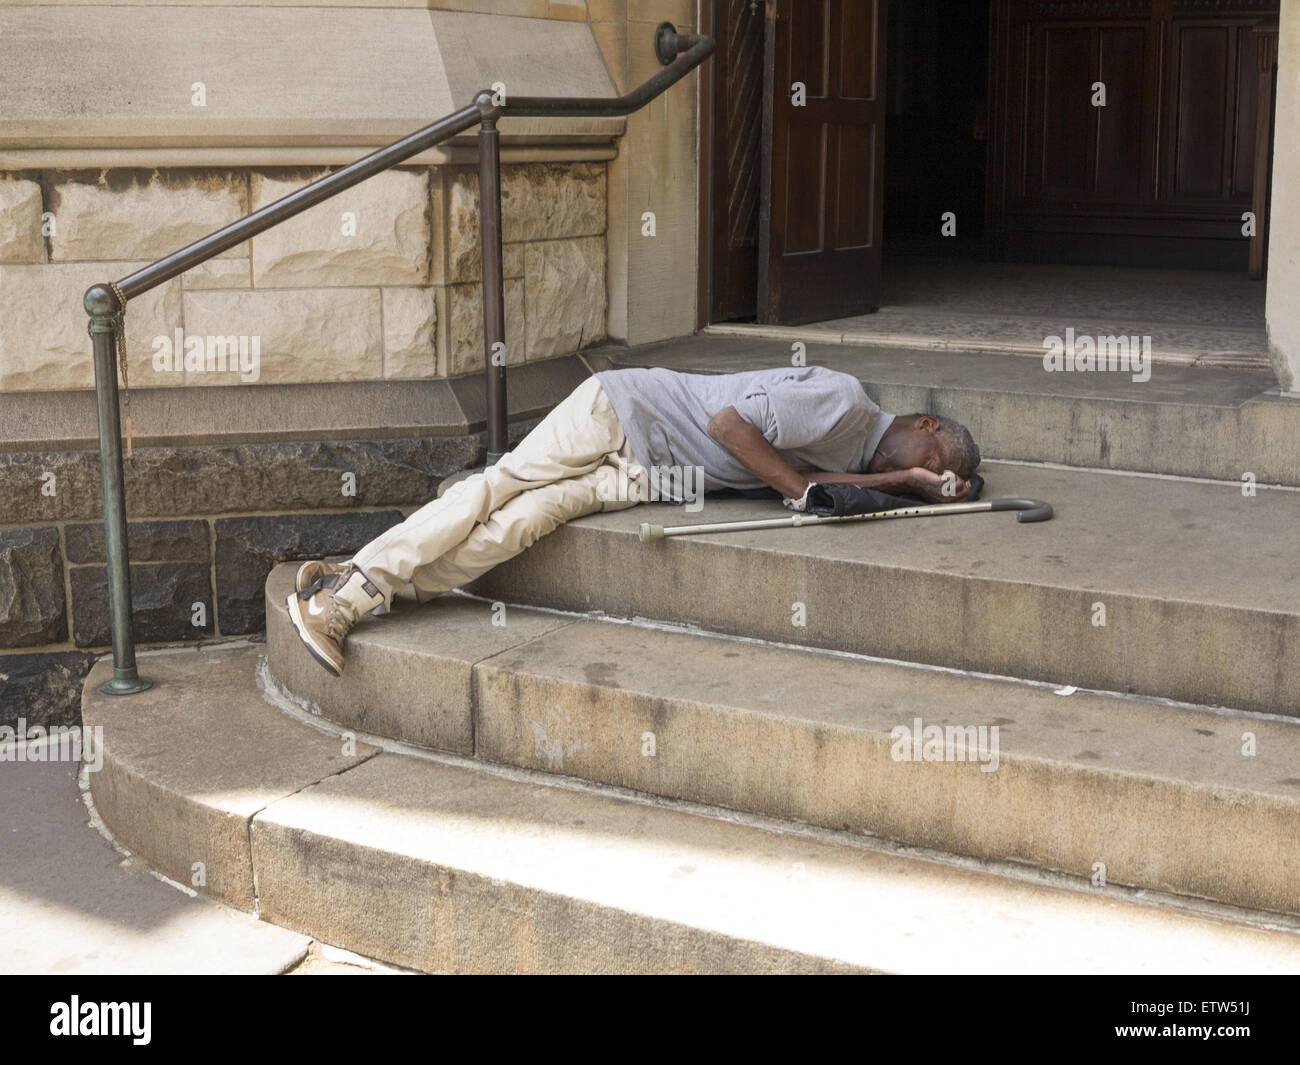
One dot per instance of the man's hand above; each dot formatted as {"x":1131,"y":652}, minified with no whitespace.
{"x":944,"y":487}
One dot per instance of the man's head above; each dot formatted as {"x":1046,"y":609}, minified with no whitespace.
{"x":928,"y":441}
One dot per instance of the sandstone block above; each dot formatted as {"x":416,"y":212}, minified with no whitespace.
{"x":43,"y":339}
{"x":376,"y":233}
{"x":301,"y":335}
{"x":539,"y":201}
{"x":564,"y":303}
{"x":21,"y":240}
{"x":140,"y":215}
{"x":410,"y":318}
{"x":466,"y":327}
{"x":219,"y":273}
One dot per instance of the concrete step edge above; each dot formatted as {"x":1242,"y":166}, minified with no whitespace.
{"x":538,"y":704}
{"x":1229,"y":358}
{"x":329,"y":866}
{"x":1024,"y":871}
{"x":1199,"y":594}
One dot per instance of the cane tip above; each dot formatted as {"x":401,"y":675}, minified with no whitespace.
{"x":651,"y":532}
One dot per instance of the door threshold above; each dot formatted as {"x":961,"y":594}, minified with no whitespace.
{"x":1170,"y":346}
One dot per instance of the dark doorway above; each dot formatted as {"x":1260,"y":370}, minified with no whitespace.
{"x":937,"y":128}
{"x":992,"y":127}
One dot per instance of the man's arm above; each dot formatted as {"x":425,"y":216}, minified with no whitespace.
{"x":752,"y":450}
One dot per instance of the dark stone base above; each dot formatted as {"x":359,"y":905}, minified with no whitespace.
{"x":32,"y":603}
{"x":238,"y":478}
{"x":181,"y":553}
{"x":163,"y":603}
{"x":44,"y":688}
{"x":146,"y":541}
{"x":249,"y":548}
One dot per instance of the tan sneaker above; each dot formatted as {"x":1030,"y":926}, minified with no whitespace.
{"x":311,"y":572}
{"x":324,"y":618}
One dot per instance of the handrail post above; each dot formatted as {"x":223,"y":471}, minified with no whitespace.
{"x":105,"y":312}
{"x":494,"y":309}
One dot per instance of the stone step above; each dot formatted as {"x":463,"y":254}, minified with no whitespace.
{"x":1147,"y":794}
{"x":1199,"y":586}
{"x":461,"y":868}
{"x":1186,"y":420}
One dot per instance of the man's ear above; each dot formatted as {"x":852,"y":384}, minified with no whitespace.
{"x":927,"y":424}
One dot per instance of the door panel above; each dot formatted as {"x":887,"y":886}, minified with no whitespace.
{"x":854,"y":210}
{"x":819,"y":216}
{"x":1120,"y":124}
{"x":1202,"y":110}
{"x":737,"y":70}
{"x":1067,"y":73}
{"x":1247,"y":82}
{"x":1159,"y":175}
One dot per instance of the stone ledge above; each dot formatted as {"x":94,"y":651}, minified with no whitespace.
{"x":410,"y":672}
{"x":1201,"y":603}
{"x":287,"y":76}
{"x":327,"y":151}
{"x":235,"y":478}
{"x":164,"y":759}
{"x":65,"y":421}
{"x":573,"y":696}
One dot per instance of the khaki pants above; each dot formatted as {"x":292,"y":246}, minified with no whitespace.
{"x":576,"y":461}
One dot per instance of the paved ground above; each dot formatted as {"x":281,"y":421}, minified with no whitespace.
{"x":70,"y":902}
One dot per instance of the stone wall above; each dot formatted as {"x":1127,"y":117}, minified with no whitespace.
{"x":208,"y":523}
{"x":381,"y":282}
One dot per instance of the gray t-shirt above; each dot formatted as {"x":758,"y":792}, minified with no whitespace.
{"x":816,"y":418}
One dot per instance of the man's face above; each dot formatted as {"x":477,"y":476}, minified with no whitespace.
{"x":918,"y":445}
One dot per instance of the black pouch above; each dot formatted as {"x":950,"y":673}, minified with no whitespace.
{"x":839,"y":499}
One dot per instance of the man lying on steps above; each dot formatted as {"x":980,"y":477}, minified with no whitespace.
{"x":601,"y":449}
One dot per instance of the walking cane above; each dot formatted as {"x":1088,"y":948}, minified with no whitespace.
{"x":1027,"y":510}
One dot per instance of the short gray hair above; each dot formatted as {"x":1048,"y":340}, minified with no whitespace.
{"x":960,"y":445}
{"x":961,"y":453}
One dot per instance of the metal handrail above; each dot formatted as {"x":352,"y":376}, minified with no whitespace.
{"x":680,"y":53}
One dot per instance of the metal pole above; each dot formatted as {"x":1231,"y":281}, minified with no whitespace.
{"x":1029,"y":510}
{"x":105,"y":319}
{"x":494,"y":308}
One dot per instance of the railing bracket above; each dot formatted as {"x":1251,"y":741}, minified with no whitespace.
{"x":667,"y":42}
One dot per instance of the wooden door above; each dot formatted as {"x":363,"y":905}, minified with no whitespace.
{"x":737,"y":120}
{"x":822,"y":159}
{"x":1156,"y":169}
